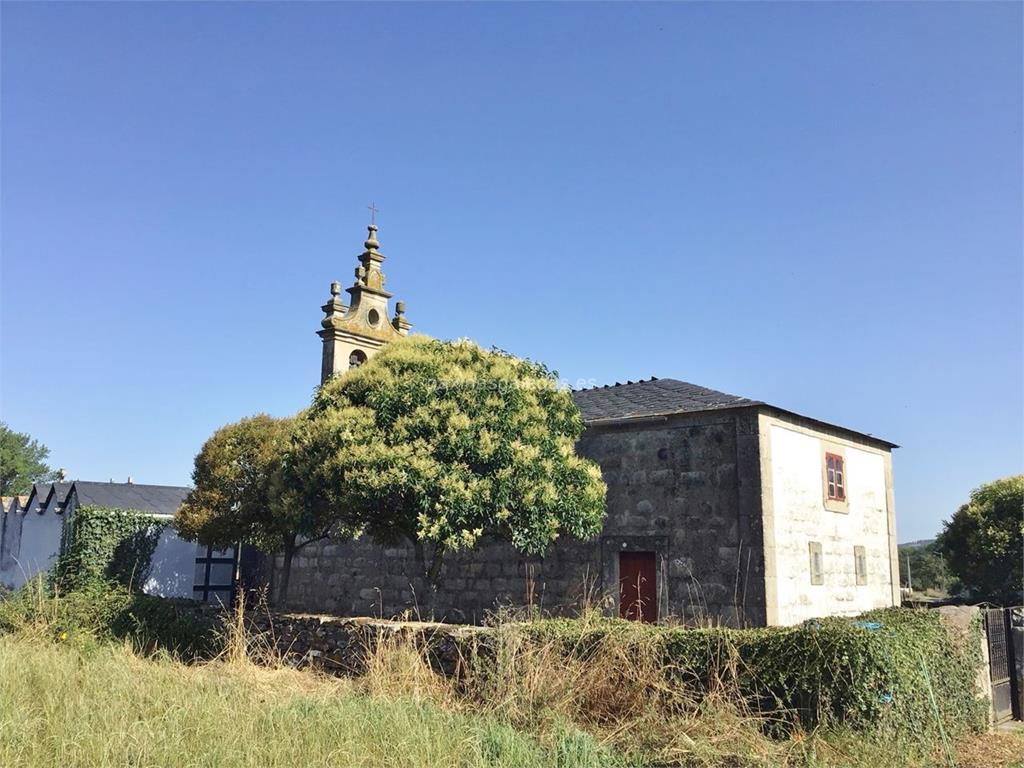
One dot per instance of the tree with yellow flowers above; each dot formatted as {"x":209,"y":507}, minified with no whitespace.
{"x":446,"y":445}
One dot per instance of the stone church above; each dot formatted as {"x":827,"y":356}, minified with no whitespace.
{"x":720,"y":508}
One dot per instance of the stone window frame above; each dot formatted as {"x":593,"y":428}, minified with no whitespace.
{"x":860,"y":565}
{"x":816,"y":563}
{"x":611,"y":546}
{"x":836,"y":504}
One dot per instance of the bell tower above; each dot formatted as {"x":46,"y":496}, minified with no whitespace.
{"x":353,"y":334}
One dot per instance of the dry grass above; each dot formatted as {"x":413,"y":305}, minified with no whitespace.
{"x":621,"y":695}
{"x":992,"y":749}
{"x":77,"y":702}
{"x":102,"y":706}
{"x":70,"y":700}
{"x":395,"y":667}
{"x":624,"y":697}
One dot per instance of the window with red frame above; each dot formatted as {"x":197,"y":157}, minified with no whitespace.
{"x":835,"y":476}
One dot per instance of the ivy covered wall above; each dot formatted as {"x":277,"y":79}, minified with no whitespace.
{"x":110,"y":544}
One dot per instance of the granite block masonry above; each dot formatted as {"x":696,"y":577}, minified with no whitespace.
{"x":342,"y":646}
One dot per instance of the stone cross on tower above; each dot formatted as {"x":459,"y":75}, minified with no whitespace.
{"x":352,"y":334}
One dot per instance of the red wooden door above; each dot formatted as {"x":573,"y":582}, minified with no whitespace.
{"x":638,"y":599}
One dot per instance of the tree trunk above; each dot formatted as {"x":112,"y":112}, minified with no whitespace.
{"x":431,"y":573}
{"x":286,"y":571}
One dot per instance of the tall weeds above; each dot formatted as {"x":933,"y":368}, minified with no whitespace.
{"x":586,"y":695}
{"x":621,"y":694}
{"x":625,"y":694}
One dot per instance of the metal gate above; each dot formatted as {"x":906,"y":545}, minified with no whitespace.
{"x":1001,"y":665}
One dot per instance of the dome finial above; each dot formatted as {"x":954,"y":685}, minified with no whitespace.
{"x":371,"y":243}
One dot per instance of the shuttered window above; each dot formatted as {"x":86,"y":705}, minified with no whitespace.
{"x":860,"y":564}
{"x":835,"y":476}
{"x":816,"y":563}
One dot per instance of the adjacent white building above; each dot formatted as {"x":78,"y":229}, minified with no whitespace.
{"x":33,"y":532}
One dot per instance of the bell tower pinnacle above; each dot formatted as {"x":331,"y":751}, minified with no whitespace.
{"x":352,"y":334}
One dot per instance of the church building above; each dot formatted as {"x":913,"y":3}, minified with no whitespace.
{"x":720,"y":508}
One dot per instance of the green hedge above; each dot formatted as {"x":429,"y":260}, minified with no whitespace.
{"x":897,"y":669}
{"x":109,"y":611}
{"x":106,"y":543}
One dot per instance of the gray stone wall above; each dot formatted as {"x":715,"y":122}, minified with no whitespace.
{"x":342,"y":646}
{"x":360,"y":578}
{"x":686,"y":488}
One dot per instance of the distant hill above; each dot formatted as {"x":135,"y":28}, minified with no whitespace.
{"x":918,"y":543}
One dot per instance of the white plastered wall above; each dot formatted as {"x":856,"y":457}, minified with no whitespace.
{"x":172,"y":567}
{"x":795,"y":514}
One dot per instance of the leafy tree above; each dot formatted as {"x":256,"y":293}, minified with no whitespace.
{"x":444,"y":445}
{"x":22,"y":462}
{"x":928,"y":568}
{"x":243,"y":493}
{"x":984,"y":541}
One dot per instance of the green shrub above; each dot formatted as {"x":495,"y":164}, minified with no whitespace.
{"x":180,"y":627}
{"x":106,"y":610}
{"x":38,"y":607}
{"x":896,"y":669}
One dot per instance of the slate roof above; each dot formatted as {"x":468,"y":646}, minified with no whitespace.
{"x":160,"y":499}
{"x":653,"y":397}
{"x":666,"y":397}
{"x":59,"y":491}
{"x":37,"y":496}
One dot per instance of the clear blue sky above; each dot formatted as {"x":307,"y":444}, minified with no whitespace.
{"x":816,"y":205}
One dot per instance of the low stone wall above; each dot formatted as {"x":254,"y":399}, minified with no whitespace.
{"x":341,"y":646}
{"x":825,"y":671}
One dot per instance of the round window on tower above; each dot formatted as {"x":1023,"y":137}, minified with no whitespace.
{"x":373,"y":317}
{"x":357,"y":358}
